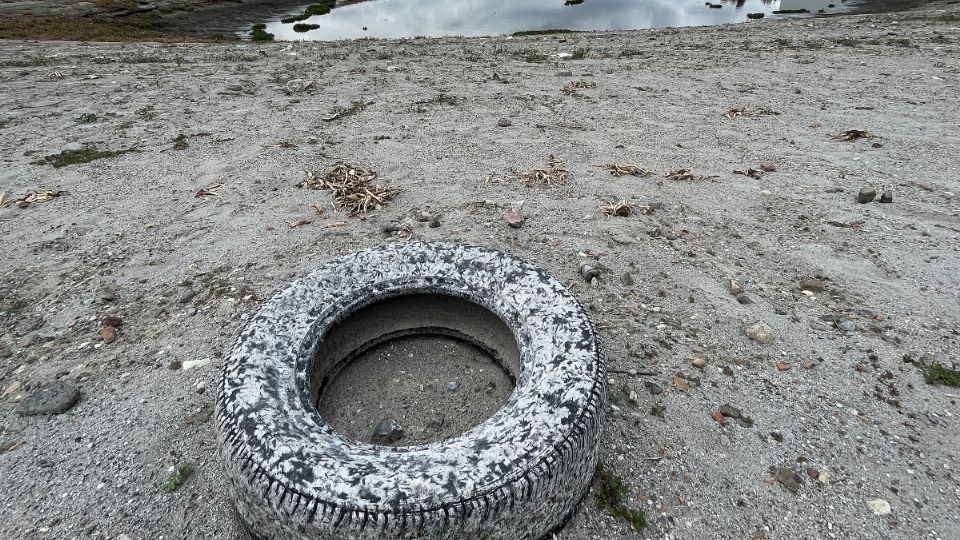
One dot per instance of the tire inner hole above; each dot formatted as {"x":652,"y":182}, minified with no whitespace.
{"x":435,"y":365}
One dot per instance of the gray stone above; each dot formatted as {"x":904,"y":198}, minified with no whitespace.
{"x":744,"y":299}
{"x":504,"y":122}
{"x":866,"y":195}
{"x":191,"y":311}
{"x":107,"y":294}
{"x":387,"y":431}
{"x":730,"y":411}
{"x":589,"y":272}
{"x":626,"y":279}
{"x":847,"y":327}
{"x":787,"y":478}
{"x":452,"y":386}
{"x":760,"y":332}
{"x":654,"y":388}
{"x":55,"y":398}
{"x":887,"y":197}
{"x":186,"y":296}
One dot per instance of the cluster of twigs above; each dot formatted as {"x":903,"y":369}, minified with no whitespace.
{"x":733,"y":113}
{"x":352,"y":188}
{"x":752,"y":173}
{"x":616,"y":209}
{"x":554,"y":173}
{"x":850,"y":135}
{"x":31,"y":197}
{"x":213,"y":190}
{"x":618,"y":170}
{"x":680,"y":174}
{"x":583,"y":84}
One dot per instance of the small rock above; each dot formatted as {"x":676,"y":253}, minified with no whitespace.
{"x":734,"y":287}
{"x":514,"y":219}
{"x":783,"y":366}
{"x":504,"y":122}
{"x":699,"y":363}
{"x":108,"y":334}
{"x":387,"y":431}
{"x":626,"y":279}
{"x":107,"y":294}
{"x":54,"y":398}
{"x":435,"y":222}
{"x":5,"y":351}
{"x":730,"y":411}
{"x":589,"y":272}
{"x":728,"y":371}
{"x":654,"y":388}
{"x":788,"y":478}
{"x":423,"y":217}
{"x":811,"y":284}
{"x":174,"y":365}
{"x":718,"y":417}
{"x":886,"y":197}
{"x":760,"y":332}
{"x":191,"y":311}
{"x":813,"y":473}
{"x":879,"y":507}
{"x":866,"y":195}
{"x":634,"y":397}
{"x":190,"y":364}
{"x":452,"y":386}
{"x":809,"y":364}
{"x":768,"y":166}
{"x":744,"y":299}
{"x":777,"y":436}
{"x":847,"y":327}
{"x":186,"y":296}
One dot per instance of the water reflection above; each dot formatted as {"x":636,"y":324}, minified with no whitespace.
{"x":409,"y":18}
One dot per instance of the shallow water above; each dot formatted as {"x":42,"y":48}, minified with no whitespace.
{"x":433,"y":18}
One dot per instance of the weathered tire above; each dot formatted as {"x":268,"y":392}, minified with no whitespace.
{"x":518,"y":475}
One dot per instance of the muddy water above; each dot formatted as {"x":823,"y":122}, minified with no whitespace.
{"x":409,"y":18}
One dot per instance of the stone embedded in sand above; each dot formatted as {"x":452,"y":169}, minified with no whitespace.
{"x":718,"y":417}
{"x":55,"y":398}
{"x":768,"y":166}
{"x":108,"y":334}
{"x":734,"y":287}
{"x":887,"y":197}
{"x":788,"y":478}
{"x":783,"y":366}
{"x":879,"y":507}
{"x":730,"y":411}
{"x":811,"y":284}
{"x":760,"y":332}
{"x":866,"y":195}
{"x":504,"y":122}
{"x":626,"y":279}
{"x":387,"y":431}
{"x":699,"y":362}
{"x":514,"y":219}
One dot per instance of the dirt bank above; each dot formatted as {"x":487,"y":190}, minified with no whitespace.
{"x":190,"y":218}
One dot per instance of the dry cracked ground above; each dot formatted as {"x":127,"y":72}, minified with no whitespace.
{"x":177,"y":212}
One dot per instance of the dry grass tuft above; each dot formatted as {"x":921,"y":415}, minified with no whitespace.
{"x":554,"y":173}
{"x":352,"y":188}
{"x":680,"y":174}
{"x":616,"y":209}
{"x":850,"y":135}
{"x":619,"y":170}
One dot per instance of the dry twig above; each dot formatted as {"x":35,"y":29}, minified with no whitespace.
{"x":32,"y":197}
{"x":680,"y":174}
{"x":850,"y":135}
{"x":618,"y":170}
{"x":554,"y":173}
{"x":351,"y":188}
{"x":616,"y":209}
{"x":213,"y":190}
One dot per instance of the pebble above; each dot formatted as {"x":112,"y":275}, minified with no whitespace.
{"x":760,"y":332}
{"x":728,"y":371}
{"x":879,"y":507}
{"x":515,"y":219}
{"x":187,"y":296}
{"x":699,"y":363}
{"x":730,"y":411}
{"x":190,"y":364}
{"x":632,"y":372}
{"x":191,"y":311}
{"x":744,"y":299}
{"x":112,"y":320}
{"x":387,"y":431}
{"x":887,"y":197}
{"x":718,"y":417}
{"x":734,"y":287}
{"x":783,"y":366}
{"x":107,"y":294}
{"x":108,"y":334}
{"x":5,"y":351}
{"x":847,"y":327}
{"x":866,"y":195}
{"x":788,"y":478}
{"x":504,"y":122}
{"x":768,"y":166}
{"x":54,"y":398}
{"x":589,"y":272}
{"x":452,"y":386}
{"x":435,"y":222}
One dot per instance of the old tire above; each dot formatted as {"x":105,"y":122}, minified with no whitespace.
{"x":518,"y":475}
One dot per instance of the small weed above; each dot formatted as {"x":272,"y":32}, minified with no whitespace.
{"x":258,"y":32}
{"x":179,"y":475}
{"x":543,"y":32}
{"x":86,"y":118}
{"x":88,"y":153}
{"x":322,"y":8}
{"x":609,"y":494}
{"x":304,"y":27}
{"x":942,"y":375}
{"x":180,"y":142}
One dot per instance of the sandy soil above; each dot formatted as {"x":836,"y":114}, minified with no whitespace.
{"x":130,"y":238}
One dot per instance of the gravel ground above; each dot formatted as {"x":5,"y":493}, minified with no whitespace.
{"x":839,"y":415}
